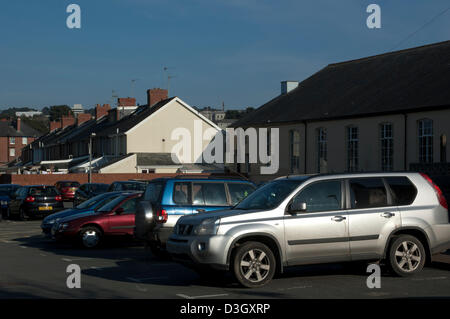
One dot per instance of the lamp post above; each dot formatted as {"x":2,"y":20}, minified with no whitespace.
{"x":90,"y":156}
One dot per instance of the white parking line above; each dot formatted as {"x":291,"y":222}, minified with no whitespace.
{"x":140,"y":280}
{"x":197,"y":297}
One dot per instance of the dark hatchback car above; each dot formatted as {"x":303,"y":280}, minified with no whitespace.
{"x":6,"y":191}
{"x":89,"y":190}
{"x":35,"y":201}
{"x":67,"y":189}
{"x":88,"y":206}
{"x":127,"y":186}
{"x":115,"y":219}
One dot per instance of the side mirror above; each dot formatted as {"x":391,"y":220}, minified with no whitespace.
{"x":296,"y":207}
{"x":119,"y":211}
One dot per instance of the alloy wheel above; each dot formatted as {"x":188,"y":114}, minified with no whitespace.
{"x":255,"y":265}
{"x":408,"y":256}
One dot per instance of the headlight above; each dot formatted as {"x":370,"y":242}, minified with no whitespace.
{"x":209,"y":226}
{"x":64,"y":226}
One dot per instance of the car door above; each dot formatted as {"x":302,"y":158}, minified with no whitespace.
{"x":14,"y":204}
{"x":320,"y":232}
{"x":371,"y":213}
{"x":121,"y":221}
{"x":179,"y":202}
{"x":209,"y":196}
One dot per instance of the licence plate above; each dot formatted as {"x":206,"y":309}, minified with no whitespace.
{"x":45,"y":208}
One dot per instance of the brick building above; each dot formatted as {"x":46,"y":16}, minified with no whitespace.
{"x":14,"y":136}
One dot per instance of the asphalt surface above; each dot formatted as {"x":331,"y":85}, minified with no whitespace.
{"x":32,"y":266}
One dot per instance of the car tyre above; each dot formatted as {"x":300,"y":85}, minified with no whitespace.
{"x":254,"y":264}
{"x":22,"y":215}
{"x":90,"y":237}
{"x":407,"y":255}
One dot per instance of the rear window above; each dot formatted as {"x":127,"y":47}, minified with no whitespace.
{"x":42,"y":191}
{"x":212,"y":194}
{"x":153,"y":192}
{"x":99,"y":188}
{"x":403,"y":191}
{"x":70,"y":184}
{"x":239,"y":191}
{"x":367,"y":193}
{"x":132,"y":186}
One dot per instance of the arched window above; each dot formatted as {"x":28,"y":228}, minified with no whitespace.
{"x":425,"y":135}
{"x":387,"y":147}
{"x":322,"y":156}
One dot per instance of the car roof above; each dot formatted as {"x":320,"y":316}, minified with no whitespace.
{"x":347,"y":175}
{"x":187,"y":179}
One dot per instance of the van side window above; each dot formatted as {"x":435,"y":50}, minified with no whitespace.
{"x":321,"y":196}
{"x":403,"y":191}
{"x":210,"y":193}
{"x":239,"y":191}
{"x":153,"y":192}
{"x":181,"y":193}
{"x":367,"y":193}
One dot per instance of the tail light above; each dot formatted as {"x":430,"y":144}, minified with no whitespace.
{"x":161,"y":216}
{"x":440,"y":196}
{"x":58,"y":198}
{"x":30,"y":199}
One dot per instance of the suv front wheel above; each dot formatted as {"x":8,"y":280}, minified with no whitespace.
{"x":406,"y":256}
{"x":253,"y":264}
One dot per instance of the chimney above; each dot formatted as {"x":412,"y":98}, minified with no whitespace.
{"x":156,"y":95}
{"x":101,"y":110}
{"x":83,"y":117}
{"x":288,"y":86}
{"x":54,"y":125}
{"x":18,"y":124}
{"x":67,"y":121}
{"x":126,"y":101}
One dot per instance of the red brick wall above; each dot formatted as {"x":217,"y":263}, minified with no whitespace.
{"x":101,"y":110}
{"x":156,"y":95}
{"x":51,"y":179}
{"x":126,"y":101}
{"x":83,"y":117}
{"x":67,"y":121}
{"x":5,"y":146}
{"x":54,"y":125}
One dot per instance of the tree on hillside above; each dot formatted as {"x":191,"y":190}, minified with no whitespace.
{"x":58,"y":111}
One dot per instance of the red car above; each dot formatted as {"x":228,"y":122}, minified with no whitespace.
{"x":67,"y":189}
{"x":116,"y":218}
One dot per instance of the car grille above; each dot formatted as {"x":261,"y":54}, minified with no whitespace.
{"x":184,"y":230}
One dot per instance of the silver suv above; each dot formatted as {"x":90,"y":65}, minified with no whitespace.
{"x":402,"y":218}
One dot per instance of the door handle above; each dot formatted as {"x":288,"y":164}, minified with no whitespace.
{"x":387,"y":214}
{"x":201,"y":210}
{"x":338,"y":218}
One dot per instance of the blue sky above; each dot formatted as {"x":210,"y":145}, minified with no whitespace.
{"x":236,"y":51}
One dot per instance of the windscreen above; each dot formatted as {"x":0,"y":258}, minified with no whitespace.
{"x":270,"y":195}
{"x":42,"y":191}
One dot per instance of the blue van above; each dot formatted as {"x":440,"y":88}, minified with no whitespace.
{"x":166,"y":199}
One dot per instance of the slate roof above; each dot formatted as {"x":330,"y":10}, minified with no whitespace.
{"x":154,"y":159}
{"x":406,"y":80}
{"x":6,"y":129}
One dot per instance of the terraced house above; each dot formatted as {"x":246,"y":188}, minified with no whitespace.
{"x":387,"y":112}
{"x":125,"y":139}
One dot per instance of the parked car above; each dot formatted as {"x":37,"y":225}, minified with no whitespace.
{"x":127,"y":186}
{"x":89,"y":190}
{"x":166,"y":199}
{"x":398,"y":217}
{"x":444,"y":184}
{"x":67,"y":189}
{"x":113,"y":219}
{"x":35,"y":201}
{"x":6,"y":190}
{"x":88,"y":207}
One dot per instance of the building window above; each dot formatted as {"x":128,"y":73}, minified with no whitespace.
{"x":425,"y":141}
{"x":24,"y":140}
{"x":321,"y":150}
{"x":294,"y":150}
{"x":352,"y":149}
{"x":12,"y":152}
{"x":387,"y":147}
{"x":12,"y":140}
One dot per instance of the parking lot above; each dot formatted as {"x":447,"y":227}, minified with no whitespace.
{"x":32,"y":266}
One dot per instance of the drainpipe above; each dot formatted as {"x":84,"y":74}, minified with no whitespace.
{"x":405,"y":142}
